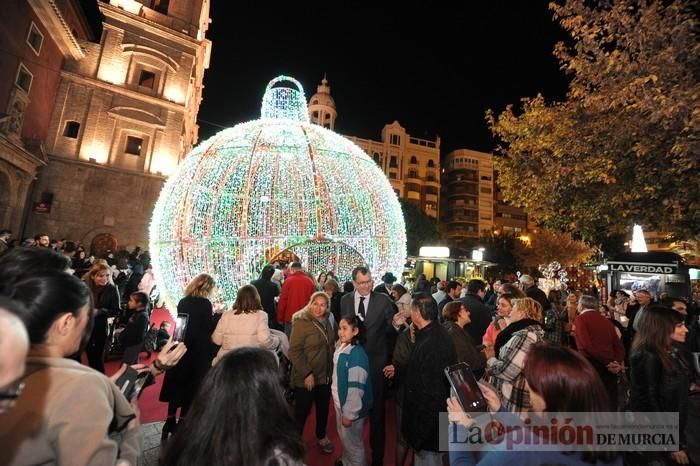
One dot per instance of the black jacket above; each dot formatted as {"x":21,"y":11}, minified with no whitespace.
{"x":135,"y":331}
{"x":426,"y":387}
{"x":267,"y":291}
{"x":181,"y":383}
{"x":465,"y":348}
{"x":480,"y":316}
{"x":654,"y":389}
{"x":539,"y":296}
{"x":107,"y":305}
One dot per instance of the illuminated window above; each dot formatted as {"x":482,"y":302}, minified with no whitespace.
{"x":35,"y":38}
{"x":161,"y":6}
{"x":24,"y":78}
{"x":71,"y":129}
{"x":147,"y":79}
{"x":133,"y":145}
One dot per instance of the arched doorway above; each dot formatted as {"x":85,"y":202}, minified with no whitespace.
{"x":103,"y":243}
{"x":323,"y":256}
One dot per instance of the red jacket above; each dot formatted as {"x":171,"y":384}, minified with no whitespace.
{"x":596,"y":338}
{"x":296,"y":292}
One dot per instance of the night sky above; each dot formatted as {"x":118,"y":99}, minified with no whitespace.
{"x":435,"y":69}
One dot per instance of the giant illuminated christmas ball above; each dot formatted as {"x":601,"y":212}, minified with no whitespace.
{"x":277,"y":187}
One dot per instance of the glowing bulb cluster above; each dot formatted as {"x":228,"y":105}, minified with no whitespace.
{"x":269,"y":187}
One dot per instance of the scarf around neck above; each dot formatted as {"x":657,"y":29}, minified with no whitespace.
{"x":507,"y":333}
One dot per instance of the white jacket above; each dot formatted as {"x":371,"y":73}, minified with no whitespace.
{"x":237,"y":330}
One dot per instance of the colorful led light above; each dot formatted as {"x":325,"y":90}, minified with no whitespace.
{"x":269,"y":186}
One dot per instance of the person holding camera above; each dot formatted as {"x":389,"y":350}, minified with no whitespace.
{"x":66,"y":412}
{"x":182,"y":382}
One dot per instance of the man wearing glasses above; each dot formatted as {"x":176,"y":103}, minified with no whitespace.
{"x":380,"y":318}
{"x":14,"y":344}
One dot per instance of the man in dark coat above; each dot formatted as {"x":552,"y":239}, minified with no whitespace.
{"x":453,"y":289}
{"x":388,"y":280}
{"x":426,"y":387}
{"x":377,"y":312}
{"x":480,"y":313}
{"x":268,"y":291}
{"x":531,"y":291}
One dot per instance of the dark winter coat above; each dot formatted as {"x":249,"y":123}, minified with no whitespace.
{"x":426,"y":387}
{"x":479,"y":314}
{"x":180,"y":383}
{"x":106,"y":305}
{"x":135,"y":331}
{"x":465,"y":348}
{"x":654,"y":389}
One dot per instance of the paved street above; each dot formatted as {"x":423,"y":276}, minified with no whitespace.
{"x":151,"y":443}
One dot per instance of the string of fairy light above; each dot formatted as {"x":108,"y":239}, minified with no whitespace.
{"x":273,"y":185}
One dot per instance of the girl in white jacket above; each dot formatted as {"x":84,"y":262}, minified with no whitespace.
{"x":244,"y":325}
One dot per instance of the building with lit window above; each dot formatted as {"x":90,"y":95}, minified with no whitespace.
{"x":124,"y":116}
{"x":411,"y":164}
{"x":508,"y":219}
{"x":37,"y":37}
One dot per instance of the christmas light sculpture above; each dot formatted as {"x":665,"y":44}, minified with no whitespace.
{"x":270,"y":188}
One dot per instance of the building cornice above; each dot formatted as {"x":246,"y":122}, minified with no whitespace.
{"x":58,"y":28}
{"x":83,"y":163}
{"x":113,"y":12}
{"x":124,"y":91}
{"x":23,"y":159}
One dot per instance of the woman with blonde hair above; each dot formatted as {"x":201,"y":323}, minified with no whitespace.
{"x":244,"y":325}
{"x":506,"y":359}
{"x":105,"y":299}
{"x":501,"y":319}
{"x":311,"y":349}
{"x":181,"y":383}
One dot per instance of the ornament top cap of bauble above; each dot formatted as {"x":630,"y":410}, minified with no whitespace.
{"x":284,"y":102}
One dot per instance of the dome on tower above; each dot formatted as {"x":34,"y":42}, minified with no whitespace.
{"x":322,"y":96}
{"x":277,"y":188}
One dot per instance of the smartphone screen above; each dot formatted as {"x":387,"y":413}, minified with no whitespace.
{"x":180,"y":327}
{"x":465,"y":387}
{"x":143,"y":380}
{"x":126,"y":382}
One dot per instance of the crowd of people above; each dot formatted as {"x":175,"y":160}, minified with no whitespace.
{"x":241,"y":384}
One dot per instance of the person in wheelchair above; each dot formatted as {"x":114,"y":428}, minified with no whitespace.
{"x":134,"y":334}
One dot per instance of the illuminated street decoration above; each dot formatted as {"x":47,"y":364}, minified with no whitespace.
{"x":270,"y":187}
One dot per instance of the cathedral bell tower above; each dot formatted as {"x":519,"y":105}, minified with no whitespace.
{"x":322,"y":106}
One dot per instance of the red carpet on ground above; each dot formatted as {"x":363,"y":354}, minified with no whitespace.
{"x":152,"y":410}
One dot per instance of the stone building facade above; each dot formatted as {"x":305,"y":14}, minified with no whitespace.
{"x":411,"y":164}
{"x":124,"y":116}
{"x":37,"y":37}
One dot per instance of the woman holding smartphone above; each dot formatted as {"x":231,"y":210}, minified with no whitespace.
{"x":558,"y":380}
{"x":504,"y":366}
{"x":181,"y":383}
{"x":66,"y":412}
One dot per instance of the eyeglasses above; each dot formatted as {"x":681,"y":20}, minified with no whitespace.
{"x":366,"y":282}
{"x":13,"y":393}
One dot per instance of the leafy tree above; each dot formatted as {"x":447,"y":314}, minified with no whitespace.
{"x":500,"y":249}
{"x":421,"y":229}
{"x":689,"y":249}
{"x":546,"y":246}
{"x":624,"y":145}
